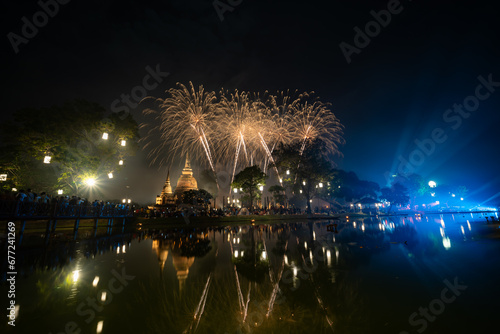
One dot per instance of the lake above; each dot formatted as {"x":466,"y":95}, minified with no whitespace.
{"x":398,"y":274}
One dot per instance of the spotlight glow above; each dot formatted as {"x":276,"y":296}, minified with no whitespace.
{"x":90,"y":182}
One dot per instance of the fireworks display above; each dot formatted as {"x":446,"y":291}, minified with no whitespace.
{"x":236,"y":129}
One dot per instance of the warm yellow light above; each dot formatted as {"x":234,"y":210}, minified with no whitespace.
{"x":95,"y":281}
{"x":120,"y":162}
{"x":110,"y":175}
{"x":124,"y":142}
{"x":90,"y":182}
{"x":99,"y":327}
{"x":46,"y":159}
{"x":76,"y":275}
{"x":104,"y":135}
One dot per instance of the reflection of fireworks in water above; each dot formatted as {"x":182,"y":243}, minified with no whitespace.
{"x":239,"y":129}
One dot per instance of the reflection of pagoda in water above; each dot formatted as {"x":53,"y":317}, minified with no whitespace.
{"x":186,"y":182}
{"x":162,"y":253}
{"x":181,"y":263}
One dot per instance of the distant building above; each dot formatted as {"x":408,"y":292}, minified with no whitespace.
{"x":186,"y":182}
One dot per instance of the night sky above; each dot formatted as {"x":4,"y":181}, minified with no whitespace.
{"x":396,"y":89}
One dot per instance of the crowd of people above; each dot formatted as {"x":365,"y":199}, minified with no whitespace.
{"x":42,"y":204}
{"x":177,"y":212}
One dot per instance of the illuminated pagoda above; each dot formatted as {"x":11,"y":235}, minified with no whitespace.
{"x":166,"y":197}
{"x":186,"y":181}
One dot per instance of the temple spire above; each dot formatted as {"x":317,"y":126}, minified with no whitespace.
{"x":188,"y":163}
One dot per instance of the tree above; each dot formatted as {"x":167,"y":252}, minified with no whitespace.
{"x":396,"y":194}
{"x":307,"y":170}
{"x":72,"y":136}
{"x":249,"y":180}
{"x":278,"y":193}
{"x":196,"y":197}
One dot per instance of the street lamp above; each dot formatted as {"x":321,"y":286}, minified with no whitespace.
{"x":105,"y":135}
{"x":46,"y":159}
{"x":321,"y":185}
{"x":60,"y":192}
{"x":287,"y":172}
{"x":120,"y":162}
{"x":261,"y":188}
{"x":124,"y":142}
{"x":110,"y":175}
{"x":90,"y":182}
{"x":235,"y":190}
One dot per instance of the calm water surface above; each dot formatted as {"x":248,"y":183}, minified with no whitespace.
{"x":432,"y":274}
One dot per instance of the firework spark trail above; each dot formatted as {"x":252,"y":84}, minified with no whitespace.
{"x":268,"y":153}
{"x":238,"y":146}
{"x":316,"y":294}
{"x":218,"y":127}
{"x":248,"y":301}
{"x":276,"y":285}
{"x":201,"y":305}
